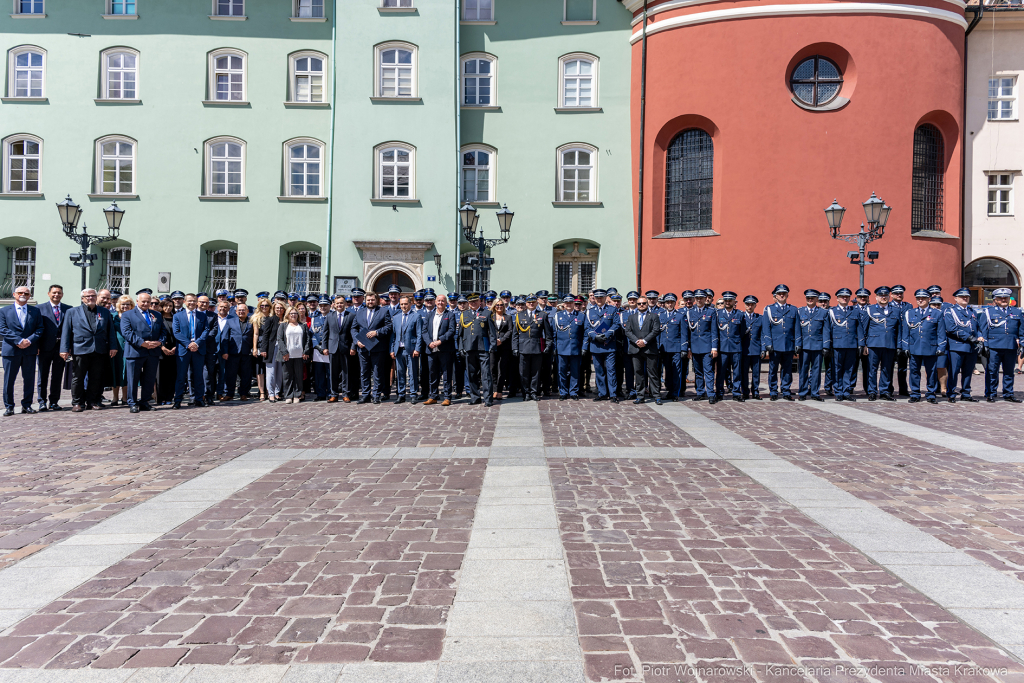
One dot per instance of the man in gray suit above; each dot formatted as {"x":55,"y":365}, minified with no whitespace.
{"x":88,"y":338}
{"x":642,"y":329}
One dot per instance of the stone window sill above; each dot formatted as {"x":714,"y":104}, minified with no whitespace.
{"x":218,"y":17}
{"x":309,"y":20}
{"x":578,"y":204}
{"x":28,"y":15}
{"x":302,"y":199}
{"x":103,"y":100}
{"x":477,"y":23}
{"x":225,"y":103}
{"x":384,"y":201}
{"x":592,"y":22}
{"x":676,"y":234}
{"x":113,"y":196}
{"x":120,"y":16}
{"x":934,"y":234}
{"x":469,"y":107}
{"x":25,"y":100}
{"x":308,"y":105}
{"x":835,"y":105}
{"x":222,"y":198}
{"x":398,"y":10}
{"x":397,"y":100}
{"x":21,"y":195}
{"x":579,"y":110}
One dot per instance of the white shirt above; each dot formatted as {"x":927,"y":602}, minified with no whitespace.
{"x":222,"y":322}
{"x":437,"y":325}
{"x":294,"y":336}
{"x":22,"y":312}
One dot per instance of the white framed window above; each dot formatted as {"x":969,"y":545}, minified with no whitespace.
{"x":1000,"y":194}
{"x":1002,"y":98}
{"x":478,"y":10}
{"x":23,"y":164}
{"x":227,"y":76}
{"x":119,"y":269}
{"x":229,"y":8}
{"x":575,"y":272}
{"x":479,"y":80}
{"x":121,"y":8}
{"x":115,"y":172}
{"x":304,"y":167}
{"x":396,"y":70}
{"x":577,"y":173}
{"x":225,"y":167}
{"x":478,"y":174}
{"x":29,"y":7}
{"x":308,"y":77}
{"x":305,"y":272}
{"x":395,"y":171}
{"x":27,"y":72}
{"x":120,"y":74}
{"x":396,"y":4}
{"x":577,"y":81}
{"x":224,"y":270}
{"x":579,"y":11}
{"x":309,"y":9}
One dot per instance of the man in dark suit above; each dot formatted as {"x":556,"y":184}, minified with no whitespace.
{"x":89,"y":339}
{"x":473,"y":342}
{"x":373,"y":323}
{"x":51,"y":365}
{"x":642,"y":330}
{"x":339,"y":347}
{"x":143,"y":332}
{"x":439,"y":345}
{"x":21,"y":326}
{"x":530,"y":340}
{"x":190,"y":330}
{"x":227,"y":341}
{"x":406,"y":347}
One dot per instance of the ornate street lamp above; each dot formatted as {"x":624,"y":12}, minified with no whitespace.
{"x":470,"y":218}
{"x":69,"y":214}
{"x":876,"y":212}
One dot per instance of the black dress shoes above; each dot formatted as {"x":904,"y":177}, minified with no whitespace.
{"x":134,"y":409}
{"x":657,"y":401}
{"x":788,"y":397}
{"x":615,"y":399}
{"x":887,"y":397}
{"x":933,"y":400}
{"x":145,"y":407}
{"x":738,"y":399}
{"x":8,"y":412}
{"x":638,"y":401}
{"x":1012,"y":399}
{"x":817,"y":398}
{"x":364,"y":399}
{"x":914,"y":399}
{"x":28,"y":410}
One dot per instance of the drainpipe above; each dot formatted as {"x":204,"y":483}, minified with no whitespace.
{"x":458,"y":154}
{"x":640,"y":189}
{"x":330,"y":147}
{"x":978,"y":13}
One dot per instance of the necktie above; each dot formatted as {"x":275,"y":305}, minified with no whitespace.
{"x":56,"y":314}
{"x":148,"y":321}
{"x":641,"y":321}
{"x":21,"y":315}
{"x":191,"y":324}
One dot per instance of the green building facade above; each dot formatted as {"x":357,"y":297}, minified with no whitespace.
{"x":309,"y":145}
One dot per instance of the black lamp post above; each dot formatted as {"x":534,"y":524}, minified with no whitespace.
{"x":470,"y":217}
{"x":876,"y":212}
{"x":437,"y":263}
{"x":69,"y":215}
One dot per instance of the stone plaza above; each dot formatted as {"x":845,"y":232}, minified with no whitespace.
{"x":548,"y":541}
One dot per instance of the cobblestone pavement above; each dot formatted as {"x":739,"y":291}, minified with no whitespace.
{"x":692,"y":563}
{"x":970,"y":504}
{"x":995,"y":424}
{"x":584,"y":423}
{"x":319,"y":561}
{"x":63,"y":472}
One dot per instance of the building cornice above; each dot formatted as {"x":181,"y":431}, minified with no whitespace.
{"x":680,"y":4}
{"x":767,"y":11}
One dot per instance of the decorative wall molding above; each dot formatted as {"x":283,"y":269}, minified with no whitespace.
{"x":382,"y":256}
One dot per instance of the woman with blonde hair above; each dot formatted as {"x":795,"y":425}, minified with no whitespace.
{"x":267,"y":345}
{"x":295,"y":343}
{"x":120,"y":383}
{"x":500,"y":332}
{"x":259,"y":364}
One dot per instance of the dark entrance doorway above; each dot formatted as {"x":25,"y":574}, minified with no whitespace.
{"x":393,"y":277}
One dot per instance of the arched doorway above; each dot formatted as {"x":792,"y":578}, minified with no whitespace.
{"x":985,"y":275}
{"x":393,"y":277}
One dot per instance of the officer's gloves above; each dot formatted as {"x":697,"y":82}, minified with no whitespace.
{"x":799,"y":349}
{"x":979,"y":346}
{"x":601,"y":338}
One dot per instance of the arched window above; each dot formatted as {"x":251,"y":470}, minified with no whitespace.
{"x":305,"y":272}
{"x":21,"y":270}
{"x":225,"y":168}
{"x":396,"y":171}
{"x":577,"y":174}
{"x":985,"y":275}
{"x":929,"y":162}
{"x":115,"y":173}
{"x":23,"y":163}
{"x":224,"y":270}
{"x":396,"y":70}
{"x":27,"y":72}
{"x":227,"y":76}
{"x":816,"y":81}
{"x":304,"y":167}
{"x":307,"y":83}
{"x":478,"y":164}
{"x":119,"y":266}
{"x":577,"y":81}
{"x":478,"y":81}
{"x":689,"y":173}
{"x":120,"y":74}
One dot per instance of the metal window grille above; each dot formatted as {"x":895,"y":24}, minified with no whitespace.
{"x":21,"y":270}
{"x":305,"y":272}
{"x":926,"y":199}
{"x":467,"y":275}
{"x":588,"y":269}
{"x":689,"y":182}
{"x":224,"y":270}
{"x":816,"y":81}
{"x":118,"y":269}
{"x":563,"y":277}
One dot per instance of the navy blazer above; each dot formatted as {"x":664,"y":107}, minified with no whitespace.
{"x":182,"y":332}
{"x":229,"y":340}
{"x":339,"y":331}
{"x":445,"y":333}
{"x":136,"y":330}
{"x":408,"y":331}
{"x":379,"y":322}
{"x":50,"y":341}
{"x":12,"y":331}
{"x":85,"y":331}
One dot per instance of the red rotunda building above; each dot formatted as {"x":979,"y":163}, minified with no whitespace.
{"x":759,"y":114}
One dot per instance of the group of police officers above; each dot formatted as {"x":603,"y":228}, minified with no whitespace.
{"x":430,"y":347}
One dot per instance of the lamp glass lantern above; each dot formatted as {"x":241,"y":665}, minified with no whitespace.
{"x":113,"y":214}
{"x":873,"y":208}
{"x":437,"y":261}
{"x":834,"y":216}
{"x":69,"y":213}
{"x":883,"y":217}
{"x":469,"y":217}
{"x":505,"y":221}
